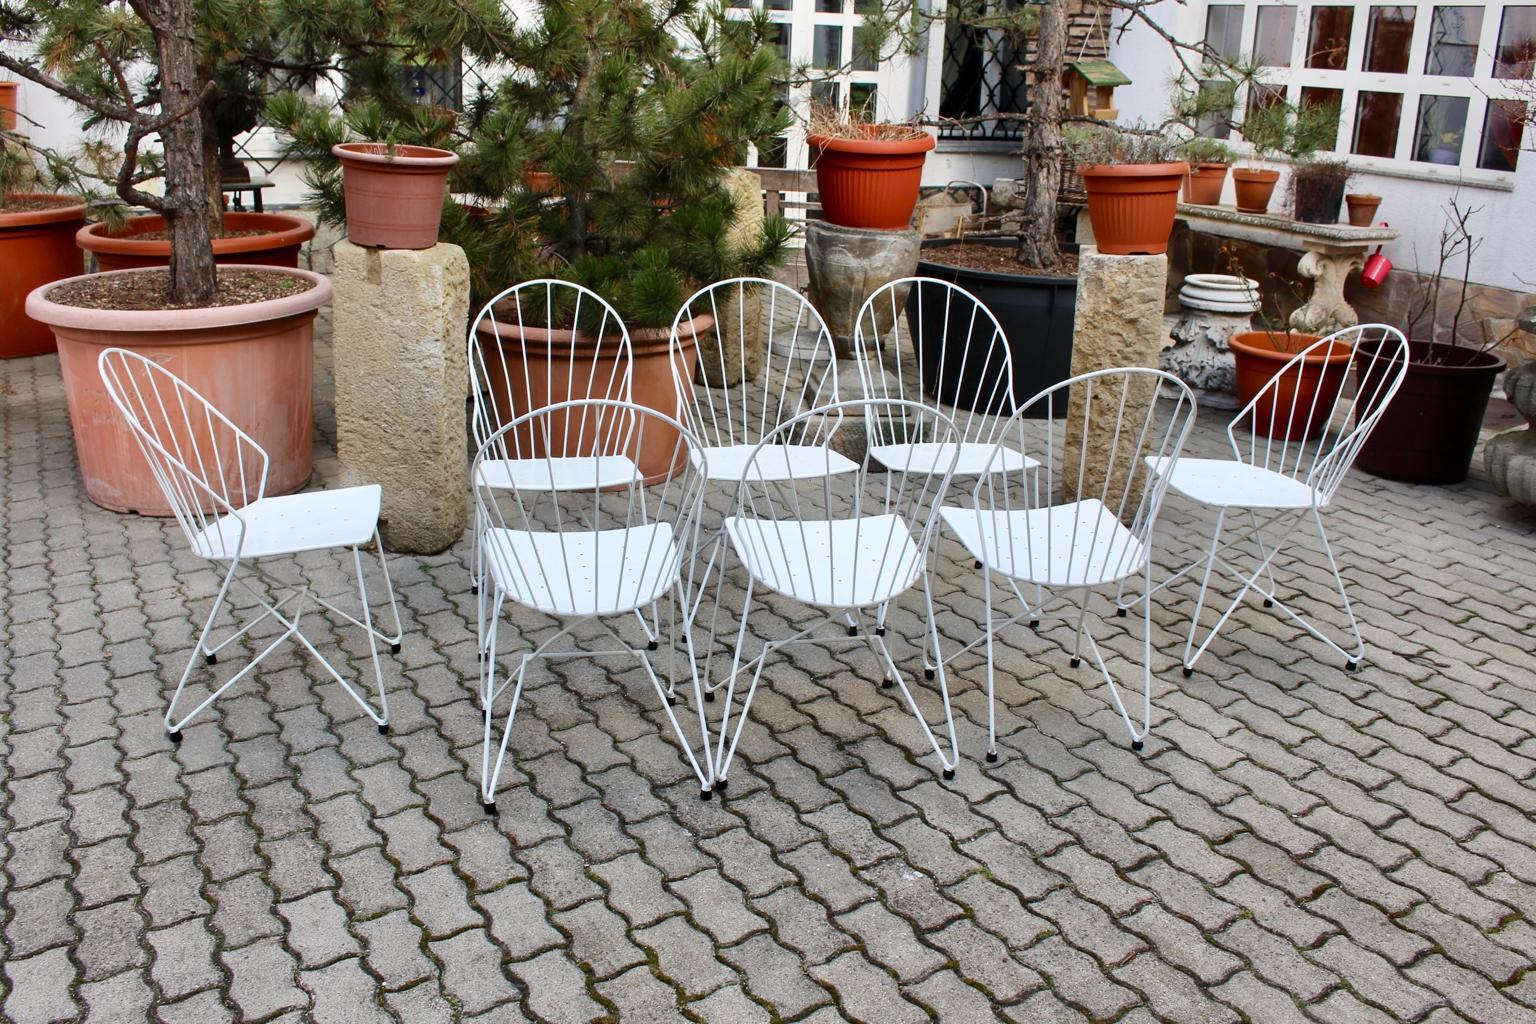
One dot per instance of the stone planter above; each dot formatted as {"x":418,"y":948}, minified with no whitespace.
{"x":847,"y":265}
{"x":1511,"y":457}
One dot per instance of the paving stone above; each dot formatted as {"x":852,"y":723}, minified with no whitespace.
{"x":394,"y":950}
{"x":638,"y":995}
{"x":123,"y":999}
{"x":775,"y":976}
{"x":40,"y":988}
{"x":262,"y":980}
{"x":1079,"y":979}
{"x":557,"y":989}
{"x":1172,"y":994}
{"x":685,"y":955}
{"x":472,"y":971}
{"x":865,"y":992}
{"x":344,"y":993}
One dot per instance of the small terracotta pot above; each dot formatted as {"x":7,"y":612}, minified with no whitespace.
{"x":394,"y":195}
{"x":1254,"y":187}
{"x":278,"y":246}
{"x":1362,"y":208}
{"x":36,"y":248}
{"x":869,"y":183}
{"x":1133,"y":206}
{"x":1295,"y":410}
{"x":1204,"y":182}
{"x":255,"y":363}
{"x":8,"y":106}
{"x":543,"y":358}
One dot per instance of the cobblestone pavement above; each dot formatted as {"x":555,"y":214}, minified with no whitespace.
{"x":1295,"y":843}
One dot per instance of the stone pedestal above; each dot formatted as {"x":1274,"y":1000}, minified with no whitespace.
{"x":401,"y":380}
{"x":846,"y":265}
{"x":1216,"y":306}
{"x":736,"y":347}
{"x":1511,"y":457}
{"x":1119,"y":322}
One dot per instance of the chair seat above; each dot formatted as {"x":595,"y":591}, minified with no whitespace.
{"x":1079,"y":543}
{"x":606,"y":572}
{"x":727,"y":463}
{"x":972,"y":459}
{"x":1227,"y":483}
{"x":839,"y":563}
{"x":564,"y":473}
{"x":290,"y":523}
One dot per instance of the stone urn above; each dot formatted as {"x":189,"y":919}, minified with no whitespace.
{"x":1511,"y":457}
{"x":1216,"y":306}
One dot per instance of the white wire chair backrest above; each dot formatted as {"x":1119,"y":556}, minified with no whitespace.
{"x":206,"y":466}
{"x":1097,"y":437}
{"x":605,"y":539}
{"x":961,"y":358}
{"x":799,"y":371}
{"x":1306,"y":423}
{"x":589,"y":356}
{"x":886,"y":502}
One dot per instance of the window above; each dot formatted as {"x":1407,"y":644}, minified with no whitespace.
{"x":1503,"y":129}
{"x":981,"y":77}
{"x":1453,"y":41}
{"x":1387,"y":40}
{"x":1272,"y":39}
{"x":1516,"y":54}
{"x":1224,"y":30}
{"x":1442,"y":121}
{"x":1328,"y":38}
{"x":1376,"y":119}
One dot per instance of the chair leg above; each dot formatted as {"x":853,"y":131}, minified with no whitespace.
{"x":991,"y":669}
{"x":1190,"y":654}
{"x":705,"y":774}
{"x":490,"y":775}
{"x":1353,"y":658}
{"x":382,"y":718}
{"x":1082,"y":614}
{"x":948,"y":764}
{"x":722,"y":757}
{"x":173,"y":726}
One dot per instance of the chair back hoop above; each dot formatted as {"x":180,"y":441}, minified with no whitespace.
{"x":836,"y":533}
{"x":538,"y":344}
{"x":606,"y":543}
{"x":720,"y":400}
{"x":206,"y":466}
{"x":951,"y":352}
{"x":1307,"y":422}
{"x":1086,"y":514}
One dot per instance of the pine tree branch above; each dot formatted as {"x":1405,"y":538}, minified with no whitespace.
{"x":106,"y":108}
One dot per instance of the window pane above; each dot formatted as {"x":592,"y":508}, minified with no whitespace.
{"x":829,"y":6}
{"x":1442,"y":121}
{"x":1261,"y":96}
{"x":1387,"y":39}
{"x":864,"y":56}
{"x":827,"y":94}
{"x":778,"y":5}
{"x":1272,"y":39}
{"x":782,"y":34}
{"x":1503,"y":129}
{"x":1328,"y":39}
{"x":861,"y":97}
{"x":1311,"y":96}
{"x":1224,"y":30}
{"x":1453,"y":36}
{"x":1214,"y":122}
{"x":1376,"y":117}
{"x":827,"y":46}
{"x":1516,"y":55}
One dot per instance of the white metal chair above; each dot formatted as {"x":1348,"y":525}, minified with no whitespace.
{"x":731,"y":412}
{"x":608,"y":549}
{"x":1084,"y":519}
{"x":1290,"y":454}
{"x":214,"y":477}
{"x":841,"y":543}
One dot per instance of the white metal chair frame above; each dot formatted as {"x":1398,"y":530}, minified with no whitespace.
{"x":1033,"y":532}
{"x":1302,"y":475}
{"x":214,"y":477}
{"x":794,"y":545}
{"x":609,"y":549}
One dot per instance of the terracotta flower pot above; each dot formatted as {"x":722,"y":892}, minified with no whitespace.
{"x":1254,"y":187}
{"x":1204,"y":182}
{"x":1429,"y":432}
{"x":255,"y":362}
{"x":869,"y":183}
{"x":543,"y":359}
{"x":1133,"y":206}
{"x":1362,"y":208}
{"x":8,"y":106}
{"x":394,"y":195}
{"x":277,"y":246}
{"x":1295,"y":411}
{"x":36,"y":247}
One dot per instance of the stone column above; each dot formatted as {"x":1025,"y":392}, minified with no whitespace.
{"x":1329,"y":267}
{"x":399,"y":320}
{"x":1216,"y":306}
{"x":1119,"y":322}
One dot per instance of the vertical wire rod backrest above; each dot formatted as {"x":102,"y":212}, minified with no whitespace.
{"x":960,"y":357}
{"x":892,"y":509}
{"x":206,"y":466}
{"x":1091,"y":505}
{"x":540,"y":343}
{"x":747,"y":315}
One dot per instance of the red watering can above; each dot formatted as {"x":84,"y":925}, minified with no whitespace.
{"x":1377,"y":267}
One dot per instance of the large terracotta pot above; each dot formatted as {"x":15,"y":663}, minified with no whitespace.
{"x":1204,"y":182}
{"x":1254,"y":186}
{"x":394,"y":195}
{"x":277,"y":246}
{"x":1133,"y":206}
{"x":542,"y":358}
{"x":36,"y":247}
{"x":1301,"y":405}
{"x":1429,"y":432}
{"x":8,"y":106}
{"x":255,"y":363}
{"x":869,"y":183}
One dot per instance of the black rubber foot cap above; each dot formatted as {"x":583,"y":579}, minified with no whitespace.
{"x":394,"y":648}
{"x":175,"y":735}
{"x":709,"y":696}
{"x":1034,"y":623}
{"x":1268,"y":603}
{"x":1350,"y":666}
{"x":474,"y":588}
{"x":1188,"y":671}
{"x":652,"y":645}
{"x":489,"y":808}
{"x":672,"y":701}
{"x":720,"y":784}
{"x":991,"y":757}
{"x":879,"y":631}
{"x":210,"y":659}
{"x":1076,"y":662}
{"x":1137,"y":744}
{"x":886,"y":684}
{"x":384,"y":729}
{"x":949,"y":774}
{"x":976,"y":564}
{"x":1122,"y":612}
{"x":853,"y":630}
{"x":705,"y":794}
{"x":928,"y":673}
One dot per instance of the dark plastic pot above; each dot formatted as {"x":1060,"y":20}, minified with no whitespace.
{"x":1035,"y":312}
{"x":1318,"y":199}
{"x":1429,"y":432}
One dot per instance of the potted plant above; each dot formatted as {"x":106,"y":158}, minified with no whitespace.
{"x":1132,"y":183}
{"x":1318,"y":186}
{"x":868,"y":173}
{"x":1209,"y":160}
{"x":393,"y":193}
{"x":1362,"y":208}
{"x":1277,"y":128}
{"x":1429,"y":432}
{"x":37,"y":245}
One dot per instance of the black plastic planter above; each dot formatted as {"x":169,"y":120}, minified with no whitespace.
{"x":1429,"y":432}
{"x":1035,"y":313}
{"x":1318,"y":199}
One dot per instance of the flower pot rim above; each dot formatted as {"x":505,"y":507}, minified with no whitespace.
{"x":1172,"y":168}
{"x":1257,"y":173}
{"x":1362,"y":196}
{"x":1481,"y":362}
{"x":1239,"y":341}
{"x":1196,"y":166}
{"x":74,"y":210}
{"x":997,"y":276}
{"x":888,"y":147}
{"x":641,"y":339}
{"x":294,"y":231}
{"x":375,"y":155}
{"x":132,"y":321}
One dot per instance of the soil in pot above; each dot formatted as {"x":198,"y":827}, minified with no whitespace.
{"x":264,"y":239}
{"x":1204,"y":182}
{"x":1300,"y":406}
{"x":37,"y":247}
{"x":1254,"y":187}
{"x":1133,"y":206}
{"x":870,"y":182}
{"x":1429,"y":432}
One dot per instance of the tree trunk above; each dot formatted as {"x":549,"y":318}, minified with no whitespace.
{"x":190,"y":216}
{"x":1042,"y":141}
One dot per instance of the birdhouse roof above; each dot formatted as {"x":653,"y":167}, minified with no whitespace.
{"x":1099,"y":72}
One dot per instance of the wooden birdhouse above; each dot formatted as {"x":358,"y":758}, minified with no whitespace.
{"x":1092,"y":84}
